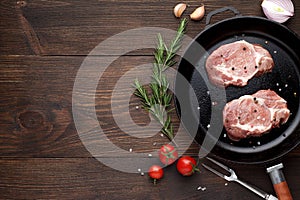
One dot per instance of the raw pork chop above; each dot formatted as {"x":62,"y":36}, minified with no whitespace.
{"x":238,"y":62}
{"x":254,"y":115}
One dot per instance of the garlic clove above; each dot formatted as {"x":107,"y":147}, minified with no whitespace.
{"x":198,"y":13}
{"x":179,"y":9}
{"x":278,"y":10}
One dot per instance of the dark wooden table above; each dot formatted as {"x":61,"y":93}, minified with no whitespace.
{"x":43,"y":44}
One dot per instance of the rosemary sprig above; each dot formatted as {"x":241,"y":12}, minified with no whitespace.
{"x":158,"y":101}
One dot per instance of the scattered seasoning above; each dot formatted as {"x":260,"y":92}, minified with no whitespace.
{"x":279,"y":89}
{"x":284,"y":135}
{"x":162,"y":135}
{"x":255,"y":110}
{"x":254,"y":147}
{"x":201,"y":188}
{"x":208,"y":125}
{"x":139,"y":170}
{"x":150,"y":155}
{"x":266,"y":42}
{"x":275,"y":51}
{"x":245,"y":67}
{"x":130,"y":150}
{"x":214,"y":103}
{"x":137,"y":107}
{"x":295,"y":94}
{"x":244,"y":48}
{"x":208,"y":92}
{"x":142,"y":173}
{"x":226,"y":184}
{"x":224,"y":135}
{"x":277,"y":84}
{"x":258,"y":117}
{"x":256,"y":67}
{"x":232,"y":69}
{"x":286,"y":85}
{"x":198,"y":107}
{"x":154,"y":143}
{"x":258,"y":142}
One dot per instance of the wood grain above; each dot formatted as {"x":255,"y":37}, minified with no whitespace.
{"x":76,"y":27}
{"x":43,"y":45}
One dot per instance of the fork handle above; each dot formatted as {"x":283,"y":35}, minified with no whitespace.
{"x":282,"y":190}
{"x":279,"y":183}
{"x":256,"y":190}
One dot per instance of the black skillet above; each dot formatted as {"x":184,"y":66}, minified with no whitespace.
{"x":199,"y":103}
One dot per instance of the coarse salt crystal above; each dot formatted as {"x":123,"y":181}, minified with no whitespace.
{"x":130,"y":150}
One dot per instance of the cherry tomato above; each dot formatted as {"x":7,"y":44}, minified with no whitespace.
{"x":187,"y":166}
{"x":155,"y":172}
{"x":168,"y":154}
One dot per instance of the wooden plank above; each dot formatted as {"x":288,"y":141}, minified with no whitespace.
{"x":86,"y":178}
{"x":36,"y":107}
{"x":76,"y":27}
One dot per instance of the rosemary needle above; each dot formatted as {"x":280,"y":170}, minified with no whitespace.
{"x":158,"y":100}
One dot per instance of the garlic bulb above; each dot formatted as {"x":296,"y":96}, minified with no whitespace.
{"x":278,"y":10}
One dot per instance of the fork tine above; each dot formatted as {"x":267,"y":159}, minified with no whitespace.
{"x":219,"y":164}
{"x":213,"y":170}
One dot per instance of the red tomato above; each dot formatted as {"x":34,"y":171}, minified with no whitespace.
{"x":155,"y":172}
{"x":187,"y":166}
{"x":168,"y":154}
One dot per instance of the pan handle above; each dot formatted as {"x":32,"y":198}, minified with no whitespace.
{"x":217,"y":11}
{"x":280,"y":185}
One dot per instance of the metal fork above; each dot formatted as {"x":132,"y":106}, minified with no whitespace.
{"x":233,"y":177}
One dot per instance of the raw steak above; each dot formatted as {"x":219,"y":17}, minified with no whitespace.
{"x":238,"y":62}
{"x":254,"y":115}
